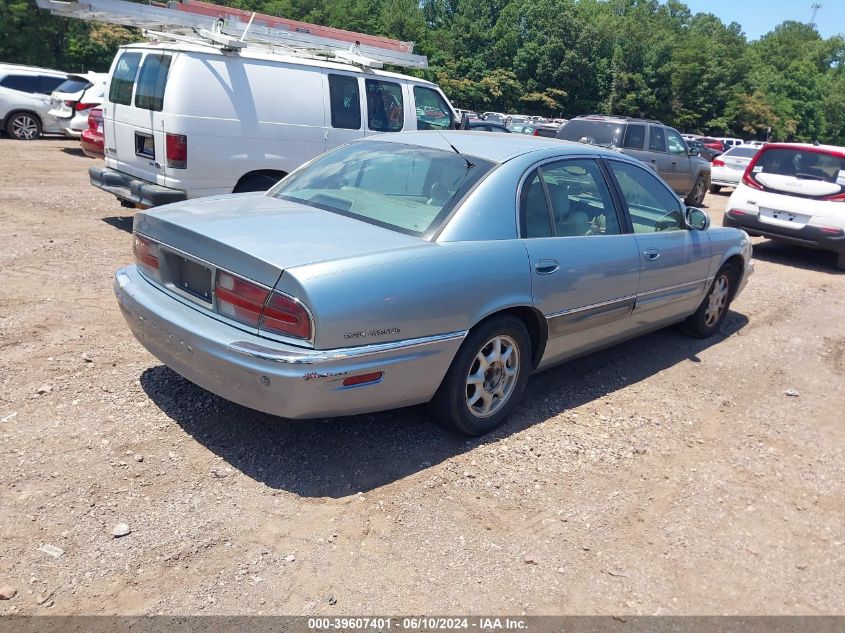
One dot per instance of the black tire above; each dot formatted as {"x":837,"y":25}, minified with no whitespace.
{"x":255,"y":182}
{"x":450,"y":404}
{"x":699,"y":189}
{"x":840,"y":261}
{"x":23,"y":126}
{"x":715,"y":188}
{"x":704,"y":323}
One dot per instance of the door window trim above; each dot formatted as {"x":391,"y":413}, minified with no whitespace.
{"x":622,"y":218}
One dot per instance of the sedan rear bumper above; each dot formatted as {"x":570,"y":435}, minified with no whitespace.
{"x":277,"y":378}
{"x":808,"y":235}
{"x":131,"y":189}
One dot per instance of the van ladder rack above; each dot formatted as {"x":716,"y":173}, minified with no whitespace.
{"x":235,"y":29}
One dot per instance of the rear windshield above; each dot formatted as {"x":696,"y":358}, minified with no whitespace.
{"x":405,"y":188}
{"x":807,"y":164}
{"x":603,"y":133}
{"x":74,"y":84}
{"x":742,"y":152}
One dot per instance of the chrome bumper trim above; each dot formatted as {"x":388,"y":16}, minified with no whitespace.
{"x":311,"y":357}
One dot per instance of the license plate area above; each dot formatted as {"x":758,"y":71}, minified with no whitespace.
{"x":783,"y":218}
{"x":145,"y":145}
{"x":188,"y":277}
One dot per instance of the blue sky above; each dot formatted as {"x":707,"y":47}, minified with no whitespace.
{"x":758,"y":17}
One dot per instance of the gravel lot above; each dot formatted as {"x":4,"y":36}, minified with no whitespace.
{"x":665,"y":475}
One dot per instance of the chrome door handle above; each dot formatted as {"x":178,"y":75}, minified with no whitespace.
{"x":547,"y":266}
{"x":651,"y":254}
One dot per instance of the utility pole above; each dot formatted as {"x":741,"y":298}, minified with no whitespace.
{"x":815,"y":7}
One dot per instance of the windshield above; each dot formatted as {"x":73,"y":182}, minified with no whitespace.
{"x":406,"y":188}
{"x":603,"y":133}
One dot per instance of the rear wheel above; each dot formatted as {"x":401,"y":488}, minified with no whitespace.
{"x":715,"y":188}
{"x":23,"y":126}
{"x":696,"y":196}
{"x":486,"y":378}
{"x":712,"y":311}
{"x":255,"y":182}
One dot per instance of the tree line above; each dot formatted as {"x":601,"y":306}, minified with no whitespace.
{"x":557,"y":58}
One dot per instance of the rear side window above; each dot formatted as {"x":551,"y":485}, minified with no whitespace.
{"x":74,"y":84}
{"x":433,"y":113}
{"x":344,"y":102}
{"x":634,"y":137}
{"x":657,"y":140}
{"x":152,"y":79}
{"x":120,"y":90}
{"x":385,"y":108}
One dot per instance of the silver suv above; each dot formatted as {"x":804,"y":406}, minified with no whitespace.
{"x":25,"y":100}
{"x":657,"y":145}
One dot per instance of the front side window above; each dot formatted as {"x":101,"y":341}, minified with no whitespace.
{"x":123,"y":78}
{"x":344,"y":102}
{"x":405,"y":188}
{"x":385,"y":107}
{"x":657,"y":140}
{"x":675,"y":143}
{"x":433,"y":112}
{"x":652,"y":206}
{"x":152,"y":79}
{"x":21,"y":83}
{"x":634,"y":137}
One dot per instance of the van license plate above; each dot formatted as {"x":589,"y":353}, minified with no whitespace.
{"x":145,"y":145}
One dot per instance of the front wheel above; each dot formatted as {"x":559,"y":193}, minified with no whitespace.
{"x":486,"y":378}
{"x":712,"y":311}
{"x":696,"y":196}
{"x":23,"y":126}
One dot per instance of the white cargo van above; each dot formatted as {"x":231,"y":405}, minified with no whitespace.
{"x":185,"y":120}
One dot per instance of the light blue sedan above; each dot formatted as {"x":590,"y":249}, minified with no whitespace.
{"x":423,"y":267}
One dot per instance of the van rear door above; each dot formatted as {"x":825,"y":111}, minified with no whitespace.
{"x":135,"y":144}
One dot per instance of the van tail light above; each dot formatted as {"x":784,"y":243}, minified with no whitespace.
{"x":258,"y":307}
{"x":285,"y":315}
{"x":176,"y":150}
{"x":718,"y":162}
{"x":79,"y":107}
{"x":146,"y":254}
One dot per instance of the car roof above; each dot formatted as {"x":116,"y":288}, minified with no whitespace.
{"x":248,"y":53}
{"x":35,"y":70}
{"x":497,"y":147}
{"x":614,"y":118}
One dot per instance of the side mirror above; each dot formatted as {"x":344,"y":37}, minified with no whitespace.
{"x":693,"y":151}
{"x":696,"y":219}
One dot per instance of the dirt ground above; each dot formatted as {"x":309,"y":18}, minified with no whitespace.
{"x":663,"y":476}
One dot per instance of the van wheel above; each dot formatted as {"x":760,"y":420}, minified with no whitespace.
{"x":486,"y":378}
{"x":23,"y":126}
{"x":255,"y":182}
{"x":715,"y":188}
{"x":696,"y":196}
{"x":712,"y":311}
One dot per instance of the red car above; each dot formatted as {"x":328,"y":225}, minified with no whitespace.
{"x":91,"y":140}
{"x":712,"y":143}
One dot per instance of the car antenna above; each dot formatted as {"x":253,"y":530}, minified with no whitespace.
{"x":469,"y":163}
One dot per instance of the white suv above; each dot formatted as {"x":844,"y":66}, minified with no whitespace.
{"x":796,"y":193}
{"x":25,"y":100}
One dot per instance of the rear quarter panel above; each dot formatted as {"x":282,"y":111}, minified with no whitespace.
{"x":410,"y":293}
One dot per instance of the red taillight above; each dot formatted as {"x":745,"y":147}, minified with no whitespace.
{"x":738,"y":212}
{"x":239,"y":299}
{"x":747,"y":175}
{"x":831,"y":230}
{"x":536,"y":133}
{"x":176,"y":150}
{"x":718,"y":163}
{"x":363,"y":379}
{"x":95,"y":117}
{"x":284,"y":315}
{"x":256,"y":306}
{"x":146,"y":254}
{"x":85,"y":106}
{"x":839,"y":197}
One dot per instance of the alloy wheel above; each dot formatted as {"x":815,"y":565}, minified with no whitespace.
{"x":717,"y":300}
{"x":24,"y":127}
{"x":492,"y":376}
